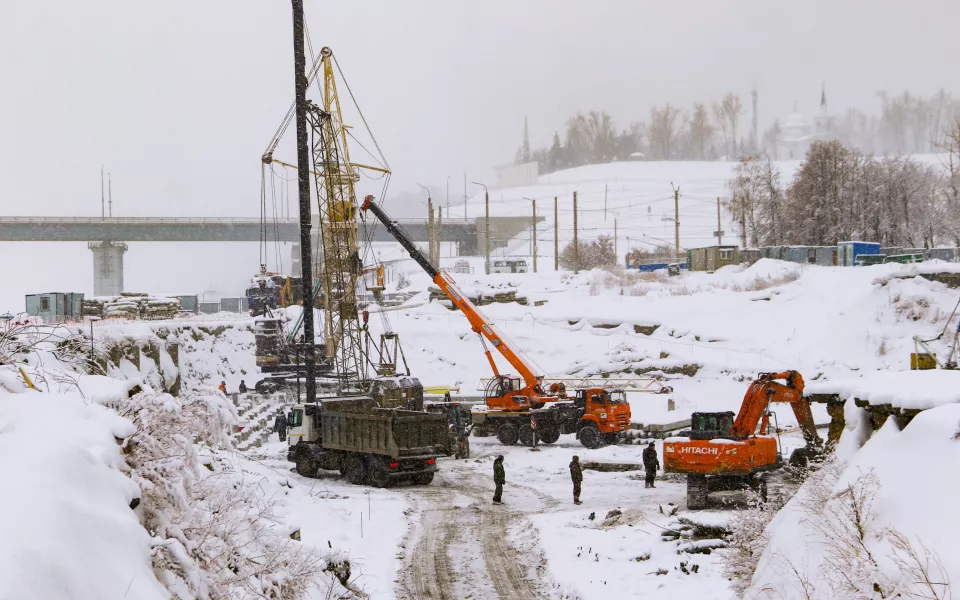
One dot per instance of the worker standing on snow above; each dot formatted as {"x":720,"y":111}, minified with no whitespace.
{"x":280,"y":425}
{"x":243,"y":387}
{"x":651,"y":463}
{"x":223,"y":387}
{"x":499,"y":478}
{"x":576,"y":474}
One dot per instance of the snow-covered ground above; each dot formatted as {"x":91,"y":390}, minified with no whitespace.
{"x":846,"y":329}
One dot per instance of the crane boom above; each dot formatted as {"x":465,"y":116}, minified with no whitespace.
{"x":532,"y":376}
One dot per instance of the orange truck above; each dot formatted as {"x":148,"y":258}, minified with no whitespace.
{"x":723,"y":452}
{"x":597,"y":416}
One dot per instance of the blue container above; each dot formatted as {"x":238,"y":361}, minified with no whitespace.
{"x":651,"y":268}
{"x":847,"y":252}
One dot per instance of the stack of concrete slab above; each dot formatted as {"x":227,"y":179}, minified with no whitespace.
{"x":158,"y":308}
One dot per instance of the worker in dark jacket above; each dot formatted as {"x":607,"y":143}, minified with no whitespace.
{"x":499,"y":478}
{"x":280,"y":425}
{"x":576,"y":474}
{"x":651,"y":463}
{"x":242,"y":388}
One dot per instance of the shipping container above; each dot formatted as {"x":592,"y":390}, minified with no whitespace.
{"x":209,"y":308}
{"x":231,"y":305}
{"x":712,"y":258}
{"x":55,"y":307}
{"x":849,"y":251}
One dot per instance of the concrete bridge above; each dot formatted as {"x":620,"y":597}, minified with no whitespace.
{"x":107,"y":236}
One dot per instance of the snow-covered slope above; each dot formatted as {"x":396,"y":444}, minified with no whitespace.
{"x":880,"y":516}
{"x":66,"y":525}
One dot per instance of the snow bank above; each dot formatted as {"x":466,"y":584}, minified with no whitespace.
{"x":900,"y":481}
{"x":904,"y":389}
{"x":66,"y":527}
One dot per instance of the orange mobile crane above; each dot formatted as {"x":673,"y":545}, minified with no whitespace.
{"x":596,"y":415}
{"x":723,"y":453}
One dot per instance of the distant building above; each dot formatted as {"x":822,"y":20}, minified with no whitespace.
{"x":797,"y":131}
{"x":517,"y":175}
{"x":712,"y":258}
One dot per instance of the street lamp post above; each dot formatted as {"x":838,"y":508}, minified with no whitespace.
{"x":486,"y":227}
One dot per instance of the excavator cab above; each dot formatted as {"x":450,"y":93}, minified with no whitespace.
{"x":709,"y":426}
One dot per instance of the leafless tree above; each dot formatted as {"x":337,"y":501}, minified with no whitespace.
{"x":732,"y":109}
{"x":664,"y":130}
{"x":720,"y":116}
{"x":701,"y":130}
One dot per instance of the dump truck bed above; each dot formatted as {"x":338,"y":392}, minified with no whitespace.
{"x":388,"y":432}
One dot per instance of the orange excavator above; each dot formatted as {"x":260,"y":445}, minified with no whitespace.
{"x":721,"y":452}
{"x":597,"y":416}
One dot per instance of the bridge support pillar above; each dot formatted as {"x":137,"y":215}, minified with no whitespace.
{"x":107,"y":267}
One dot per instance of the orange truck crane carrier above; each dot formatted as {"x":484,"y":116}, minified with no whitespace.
{"x":721,"y":452}
{"x":515,"y":406}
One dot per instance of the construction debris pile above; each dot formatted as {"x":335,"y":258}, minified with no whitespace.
{"x":131,"y":305}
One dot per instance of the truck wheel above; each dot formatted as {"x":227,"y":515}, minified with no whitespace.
{"x":549,"y":435}
{"x":525,"y":435}
{"x":589,"y":436}
{"x":306,"y":466}
{"x":377,"y":475}
{"x":507,"y":434}
{"x":423,"y":478}
{"x":356,"y":470}
{"x":697,"y":489}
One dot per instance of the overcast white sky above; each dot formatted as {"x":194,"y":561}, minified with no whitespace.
{"x":179,"y":98}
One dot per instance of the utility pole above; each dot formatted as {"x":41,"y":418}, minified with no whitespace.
{"x":437,"y":233}
{"x":576,"y":238}
{"x":719,"y":228}
{"x":431,"y":233}
{"x":604,"y":202}
{"x":486,"y":227}
{"x":616,"y":241}
{"x":110,"y":193}
{"x":556,"y":236}
{"x":303,"y":181}
{"x":103,"y":206}
{"x":533,"y":233}
{"x":676,"y":220}
{"x":743,"y":224}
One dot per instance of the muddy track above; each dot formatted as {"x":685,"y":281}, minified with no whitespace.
{"x":430,"y":571}
{"x":509,"y":578}
{"x":431,"y":574}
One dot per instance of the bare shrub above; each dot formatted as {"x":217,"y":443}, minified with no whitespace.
{"x":214,"y":534}
{"x":747,"y":541}
{"x":589,"y":255}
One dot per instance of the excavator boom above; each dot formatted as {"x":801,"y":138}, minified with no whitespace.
{"x":531,"y":375}
{"x":765,"y":390}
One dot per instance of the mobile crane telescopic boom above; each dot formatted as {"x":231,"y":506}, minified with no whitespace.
{"x":532,"y":394}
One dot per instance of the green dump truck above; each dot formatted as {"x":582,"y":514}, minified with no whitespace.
{"x":366,"y":443}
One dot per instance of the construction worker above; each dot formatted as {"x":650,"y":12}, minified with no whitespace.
{"x":223,"y":387}
{"x":651,"y":463}
{"x":576,"y":474}
{"x":499,"y":478}
{"x":243,"y":387}
{"x":280,"y":425}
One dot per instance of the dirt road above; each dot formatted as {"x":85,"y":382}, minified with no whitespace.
{"x":459,"y":544}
